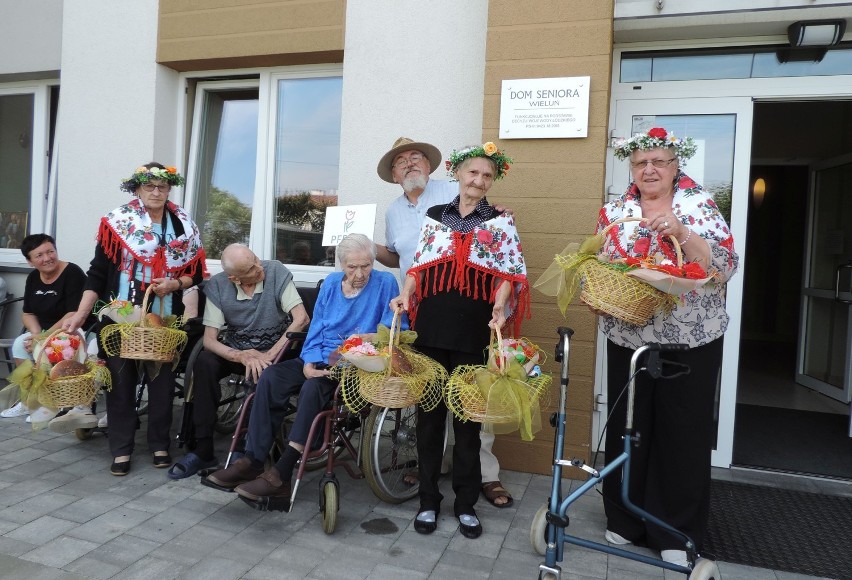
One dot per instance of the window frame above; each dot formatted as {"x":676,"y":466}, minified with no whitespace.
{"x":42,"y":185}
{"x":190,"y":109}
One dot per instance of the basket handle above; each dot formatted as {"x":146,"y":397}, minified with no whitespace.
{"x":500,"y":353}
{"x":675,"y":243}
{"x":148,"y":292}
{"x":50,"y":337}
{"x":393,"y":338}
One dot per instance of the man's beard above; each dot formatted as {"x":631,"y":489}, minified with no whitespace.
{"x":409,"y":184}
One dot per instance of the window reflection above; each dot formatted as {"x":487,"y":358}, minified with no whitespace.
{"x":307,"y":155}
{"x":226,"y":168}
{"x":16,"y":159}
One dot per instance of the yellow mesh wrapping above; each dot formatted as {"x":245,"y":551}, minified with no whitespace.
{"x":499,"y":395}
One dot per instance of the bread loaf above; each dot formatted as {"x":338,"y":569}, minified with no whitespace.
{"x":153,"y":320}
{"x":68,"y":368}
{"x":400,"y":363}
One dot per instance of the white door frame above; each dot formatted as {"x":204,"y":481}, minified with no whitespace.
{"x":697,"y":97}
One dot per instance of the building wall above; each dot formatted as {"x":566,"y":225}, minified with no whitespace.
{"x":556,"y":186}
{"x":116,"y":112}
{"x":223,"y":34}
{"x":30,"y":39}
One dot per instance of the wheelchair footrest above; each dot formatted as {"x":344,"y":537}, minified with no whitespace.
{"x":266,"y":504}
{"x":208,"y":483}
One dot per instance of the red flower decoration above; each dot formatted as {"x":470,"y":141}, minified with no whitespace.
{"x":658,"y":132}
{"x":484,"y":236}
{"x":642,"y":246}
{"x":686,"y":183}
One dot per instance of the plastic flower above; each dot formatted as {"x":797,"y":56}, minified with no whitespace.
{"x":489,"y":148}
{"x":653,"y":139}
{"x":658,"y":133}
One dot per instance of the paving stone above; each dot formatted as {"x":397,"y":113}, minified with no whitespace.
{"x":90,"y":507}
{"x":18,"y":493}
{"x":219,"y":568}
{"x":123,"y":551}
{"x":387,"y":572}
{"x":149,"y":567}
{"x":195,"y":544}
{"x":12,"y":567}
{"x":166,"y":525}
{"x":42,"y":530}
{"x":109,"y":525}
{"x":92,"y":568}
{"x":34,"y":508}
{"x":60,"y":551}
{"x":11,"y":547}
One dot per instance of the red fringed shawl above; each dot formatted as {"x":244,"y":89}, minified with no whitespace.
{"x":449,"y":257}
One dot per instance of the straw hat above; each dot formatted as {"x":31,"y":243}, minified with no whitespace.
{"x":405,"y":144}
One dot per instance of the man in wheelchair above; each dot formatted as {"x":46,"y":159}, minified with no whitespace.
{"x":349,"y":302}
{"x":257,"y":304}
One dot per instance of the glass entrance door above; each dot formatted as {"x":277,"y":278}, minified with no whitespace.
{"x":722,"y":130}
{"x":824,"y":361}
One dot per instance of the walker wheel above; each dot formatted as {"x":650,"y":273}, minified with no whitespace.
{"x":705,"y":570}
{"x":538,"y":531}
{"x":328,"y":506}
{"x":83,"y":434}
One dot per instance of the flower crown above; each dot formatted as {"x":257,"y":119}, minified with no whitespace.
{"x":488,"y":150}
{"x":144,"y":174}
{"x":656,"y":137}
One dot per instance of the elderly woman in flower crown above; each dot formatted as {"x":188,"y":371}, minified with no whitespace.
{"x":670,"y":470}
{"x":468,"y":277}
{"x":148,"y":241}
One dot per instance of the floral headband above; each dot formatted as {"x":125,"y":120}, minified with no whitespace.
{"x":144,"y":174}
{"x":656,"y":137}
{"x":488,"y":150}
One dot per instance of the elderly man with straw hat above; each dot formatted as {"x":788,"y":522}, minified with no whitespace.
{"x":410,"y":163}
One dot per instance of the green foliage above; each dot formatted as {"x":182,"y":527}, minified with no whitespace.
{"x":722,"y":196}
{"x":302,"y":210}
{"x":228,"y":221}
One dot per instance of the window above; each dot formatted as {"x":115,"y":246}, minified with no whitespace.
{"x":27,"y":121}
{"x":264,"y":158}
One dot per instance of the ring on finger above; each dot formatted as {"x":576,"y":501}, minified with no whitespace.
{"x":665,"y":224}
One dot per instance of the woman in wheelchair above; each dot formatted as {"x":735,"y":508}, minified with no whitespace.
{"x":148,"y":241}
{"x":349,"y":302}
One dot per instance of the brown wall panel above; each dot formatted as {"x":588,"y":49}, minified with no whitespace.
{"x":209,"y":34}
{"x":556,"y":188}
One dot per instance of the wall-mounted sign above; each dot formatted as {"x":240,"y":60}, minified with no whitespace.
{"x":556,"y":108}
{"x":342,"y":220}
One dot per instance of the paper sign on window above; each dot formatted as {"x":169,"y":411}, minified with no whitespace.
{"x":342,"y":220}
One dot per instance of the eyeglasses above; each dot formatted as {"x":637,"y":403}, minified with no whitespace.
{"x":149,"y":187}
{"x":658,"y":163}
{"x":412,"y":159}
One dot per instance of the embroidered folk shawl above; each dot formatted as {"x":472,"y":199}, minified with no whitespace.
{"x":450,"y":256}
{"x":126,"y":235}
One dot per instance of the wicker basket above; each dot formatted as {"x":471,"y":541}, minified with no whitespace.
{"x":610,"y":290}
{"x":390,"y":389}
{"x":140,"y":341}
{"x":67,"y":391}
{"x":464,"y":397}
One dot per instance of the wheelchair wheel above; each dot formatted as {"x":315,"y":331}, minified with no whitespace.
{"x":389,"y":452}
{"x":705,"y":570}
{"x":83,"y":434}
{"x":329,"y":505}
{"x":232,"y":393}
{"x":538,"y":531}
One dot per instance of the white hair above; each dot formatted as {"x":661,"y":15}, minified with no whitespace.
{"x":235,"y":255}
{"x":355,"y":243}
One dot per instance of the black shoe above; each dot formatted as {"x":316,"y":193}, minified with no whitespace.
{"x":470,"y":531}
{"x":424,"y":527}
{"x":161,"y":461}
{"x":120,"y":468}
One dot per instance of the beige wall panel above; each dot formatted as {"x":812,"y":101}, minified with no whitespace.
{"x":556,"y":188}
{"x":555,"y":40}
{"x":512,"y":12}
{"x":208,"y":35}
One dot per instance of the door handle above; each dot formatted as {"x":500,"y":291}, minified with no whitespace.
{"x":837,"y":283}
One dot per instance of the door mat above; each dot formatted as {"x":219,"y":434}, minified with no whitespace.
{"x":779,"y":529}
{"x":793,"y":441}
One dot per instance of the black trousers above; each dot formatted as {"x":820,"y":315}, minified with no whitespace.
{"x":670,"y":468}
{"x":430,"y":445}
{"x":121,"y":406}
{"x":208,"y":370}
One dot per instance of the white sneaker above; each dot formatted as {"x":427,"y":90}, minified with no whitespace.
{"x":616,"y":539}
{"x":41,"y":415}
{"x":16,"y":410}
{"x":675,"y":557}
{"x":80,"y":417}
{"x":102,"y":422}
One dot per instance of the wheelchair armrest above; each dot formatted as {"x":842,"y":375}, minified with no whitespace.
{"x":297,"y":335}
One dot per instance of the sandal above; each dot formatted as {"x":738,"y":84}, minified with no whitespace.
{"x":189,"y":465}
{"x":494,"y":490}
{"x":411,"y":478}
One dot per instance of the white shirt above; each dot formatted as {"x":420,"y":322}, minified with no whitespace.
{"x":403,"y":220}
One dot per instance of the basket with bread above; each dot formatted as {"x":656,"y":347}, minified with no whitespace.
{"x":503,"y":394}
{"x":61,"y":374}
{"x":387,"y":371}
{"x":154,"y":337}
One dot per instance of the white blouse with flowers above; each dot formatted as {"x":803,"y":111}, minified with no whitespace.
{"x":698,"y":317}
